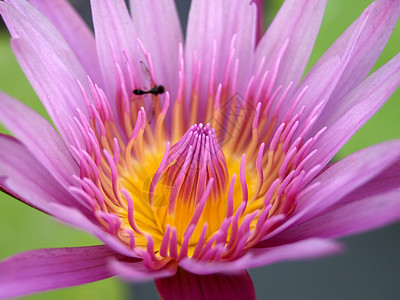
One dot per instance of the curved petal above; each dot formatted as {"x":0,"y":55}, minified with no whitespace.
{"x":40,"y":138}
{"x":26,"y":179}
{"x":157,"y":26}
{"x":48,"y":62}
{"x":55,"y":97}
{"x":240,"y":21}
{"x":204,"y":30}
{"x":218,"y":34}
{"x":76,"y":218}
{"x":261,"y":256}
{"x":115,"y":35}
{"x":297,"y":22}
{"x":351,"y":218}
{"x":204,"y":268}
{"x":137,"y":272}
{"x":75,"y":32}
{"x":355,"y":109}
{"x":386,"y":181}
{"x":185,"y":285}
{"x":323,"y":78}
{"x":320,"y":85}
{"x":260,"y":18}
{"x":47,"y":269}
{"x":340,"y":179}
{"x":27,"y":23}
{"x":351,"y":172}
{"x":383,"y":15}
{"x":305,"y":249}
{"x":374,"y":204}
{"x":22,"y":176}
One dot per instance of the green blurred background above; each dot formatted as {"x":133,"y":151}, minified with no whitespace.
{"x":23,"y":228}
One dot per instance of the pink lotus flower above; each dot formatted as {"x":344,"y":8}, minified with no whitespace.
{"x":194,"y":161}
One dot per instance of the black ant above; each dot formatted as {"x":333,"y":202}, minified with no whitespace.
{"x":155,"y":90}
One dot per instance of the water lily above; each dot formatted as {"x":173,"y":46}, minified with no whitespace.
{"x":194,"y":160}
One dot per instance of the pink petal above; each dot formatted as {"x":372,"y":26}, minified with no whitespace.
{"x":40,"y":138}
{"x":305,"y":249}
{"x":46,"y":269}
{"x":261,"y":256}
{"x":355,"y":109}
{"x":357,"y":216}
{"x":350,"y":173}
{"x":210,"y":31}
{"x":323,"y":78}
{"x":157,"y":26}
{"x":297,"y":21}
{"x":75,"y":32}
{"x":383,"y":15}
{"x":205,"y":268}
{"x":55,"y":97}
{"x":374,"y":204}
{"x":260,"y":18}
{"x":185,"y":285}
{"x":320,"y":85}
{"x":77,"y":219}
{"x":27,"y":23}
{"x":138,"y":272}
{"x":114,"y":33}
{"x":340,"y":179}
{"x":26,"y":179}
{"x":48,"y":62}
{"x":240,"y":20}
{"x":386,"y":181}
{"x":205,"y":24}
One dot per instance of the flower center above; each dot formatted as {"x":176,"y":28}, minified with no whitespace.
{"x":217,"y":191}
{"x":190,"y":181}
